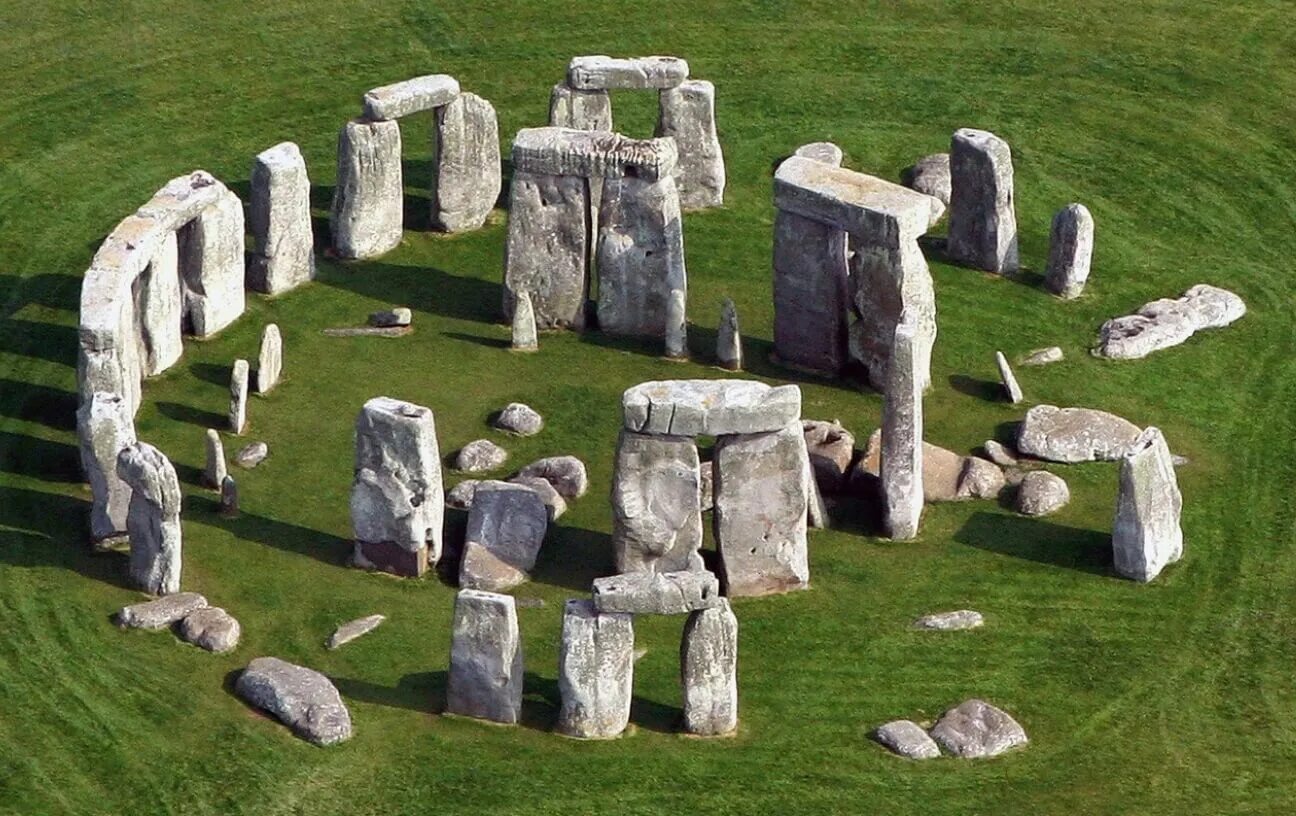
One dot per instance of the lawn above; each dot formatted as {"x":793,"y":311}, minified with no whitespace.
{"x":1171,"y":121}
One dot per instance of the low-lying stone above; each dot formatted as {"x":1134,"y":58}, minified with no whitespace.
{"x":520,"y":419}
{"x":252,"y":455}
{"x":943,"y":472}
{"x":301,"y":698}
{"x":1165,"y":323}
{"x":211,"y":628}
{"x":554,"y":503}
{"x":980,"y":479}
{"x":906,"y":738}
{"x":600,"y":72}
{"x":831,"y":449}
{"x":351,"y":630}
{"x":951,"y":621}
{"x":1075,"y":434}
{"x":160,"y":613}
{"x":506,"y":527}
{"x":1043,"y":356}
{"x":410,"y":96}
{"x":388,"y":318}
{"x":1041,"y":493}
{"x":657,"y":593}
{"x":825,"y":152}
{"x":977,"y":729}
{"x":461,"y":495}
{"x":930,"y":175}
{"x":1000,"y":454}
{"x":566,"y":473}
{"x":709,"y":407}
{"x":480,"y":456}
{"x":1009,"y":380}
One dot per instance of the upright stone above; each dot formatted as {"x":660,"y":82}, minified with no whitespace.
{"x":811,"y":294}
{"x":525,"y":337}
{"x":270,"y":359}
{"x":709,"y":671}
{"x":677,"y":326}
{"x":640,"y":255}
{"x":506,"y":527}
{"x":595,"y":671}
{"x":160,"y":309}
{"x":467,"y":164}
{"x":368,"y":202}
{"x":485,"y":658}
{"x":548,"y":247}
{"x":153,"y":520}
{"x":215,"y":471}
{"x":1146,"y":535}
{"x":229,"y":497}
{"x":1070,"y":251}
{"x":902,"y":428}
{"x":579,"y":110}
{"x":687,"y":113}
{"x":280,"y":215}
{"x":728,"y":338}
{"x":105,"y":429}
{"x":238,"y":396}
{"x":656,"y":504}
{"x":1011,"y":389}
{"x":982,"y":222}
{"x":211,"y":251}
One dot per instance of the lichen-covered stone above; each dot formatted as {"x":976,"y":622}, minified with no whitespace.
{"x":269,"y":359}
{"x":279,"y":216}
{"x":982,"y":219}
{"x":105,"y":428}
{"x":211,"y":628}
{"x":238,"y":396}
{"x":301,"y":698}
{"x":1009,"y":380}
{"x":369,"y":199}
{"x":1075,"y":434}
{"x":579,"y":110}
{"x":657,"y":515}
{"x":506,"y":527}
{"x":480,"y":456}
{"x":825,"y":152}
{"x":410,"y":96}
{"x":520,"y":419}
{"x":600,"y":72}
{"x":657,"y":593}
{"x":351,"y":630}
{"x":1041,"y":493}
{"x":1043,"y":356}
{"x":957,"y":620}
{"x":709,"y":671}
{"x":1146,"y":535}
{"x":485,"y":678}
{"x":976,"y":729}
{"x":729,"y":353}
{"x":251,"y":455}
{"x":567,"y":474}
{"x":159,"y":613}
{"x":1165,"y":323}
{"x":709,"y":407}
{"x":468,"y":174}
{"x":980,"y":479}
{"x":906,"y":738}
{"x":595,"y":671}
{"x":1070,"y":251}
{"x":901,"y":465}
{"x":153,"y":518}
{"x":687,"y":114}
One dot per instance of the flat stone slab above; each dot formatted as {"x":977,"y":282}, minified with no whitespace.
{"x":211,"y":628}
{"x":657,"y":593}
{"x":906,"y":738}
{"x":1075,"y":434}
{"x":411,"y":96}
{"x":301,"y":698}
{"x":252,"y":455}
{"x":950,"y":621}
{"x":351,"y":630}
{"x":368,"y":331}
{"x":1165,"y":323}
{"x":1044,"y":356}
{"x":161,"y":613}
{"x":975,"y":729}
{"x":709,"y":407}
{"x":555,"y":151}
{"x":602,"y":73}
{"x":865,"y":206}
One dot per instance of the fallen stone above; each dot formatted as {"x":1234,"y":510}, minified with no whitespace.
{"x":595,"y":671}
{"x":599,"y":72}
{"x":930,"y":175}
{"x":548,"y":247}
{"x":1070,"y":251}
{"x":461,"y":495}
{"x":1043,"y":356}
{"x":1000,"y":454}
{"x":709,"y":407}
{"x":211,"y":628}
{"x":1011,"y":389}
{"x":252,"y":455}
{"x":388,"y":318}
{"x":982,"y":221}
{"x":951,"y":621}
{"x":270,"y":359}
{"x":468,"y":178}
{"x":831,"y":449}
{"x":369,"y":199}
{"x":105,"y":428}
{"x":506,"y":527}
{"x":579,"y":110}
{"x":977,"y":729}
{"x":900,"y":466}
{"x":238,"y":397}
{"x":656,"y":505}
{"x":215,"y":471}
{"x":729,"y":351}
{"x":640,"y":256}
{"x":485,"y":679}
{"x":709,"y":671}
{"x":351,"y":630}
{"x":906,"y":738}
{"x":1146,"y":535}
{"x":525,"y":337}
{"x":301,"y":698}
{"x":687,"y":114}
{"x":825,"y":152}
{"x":279,"y":216}
{"x":1165,"y":323}
{"x":657,"y":593}
{"x":552,"y":151}
{"x":1041,"y":493}
{"x":152,"y":519}
{"x":1075,"y":434}
{"x":980,"y":479}
{"x":410,"y":96}
{"x":480,"y":456}
{"x":368,"y":331}
{"x":160,"y":613}
{"x":554,"y":503}
{"x":229,"y":497}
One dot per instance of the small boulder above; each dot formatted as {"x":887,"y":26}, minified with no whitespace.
{"x":1000,"y":454}
{"x":906,"y":738}
{"x":930,"y":175}
{"x":566,"y":474}
{"x":301,"y":698}
{"x":980,"y":479}
{"x":461,"y":495}
{"x":831,"y":449}
{"x":950,"y":621}
{"x":252,"y":455}
{"x":1043,"y":356}
{"x":1041,"y":493}
{"x":554,"y":503}
{"x":480,"y":456}
{"x":211,"y":628}
{"x":977,"y":729}
{"x":351,"y":630}
{"x":391,"y":318}
{"x":519,"y":419}
{"x":161,"y":613}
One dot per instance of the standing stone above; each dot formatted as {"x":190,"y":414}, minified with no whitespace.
{"x":762,"y":487}
{"x":811,"y":294}
{"x":982,"y":222}
{"x":825,"y":152}
{"x":729,"y":339}
{"x":1011,"y":389}
{"x":467,"y":164}
{"x":902,"y":428}
{"x":211,"y":252}
{"x":676,"y":326}
{"x":270,"y":359}
{"x":709,"y":671}
{"x":229,"y":498}
{"x":889,"y":280}
{"x":160,"y":309}
{"x":153,"y":520}
{"x":1146,"y":535}
{"x":595,"y":671}
{"x":506,"y":527}
{"x":1070,"y":251}
{"x":579,"y":110}
{"x":640,"y":255}
{"x":525,"y":337}
{"x":687,"y":113}
{"x":280,"y":216}
{"x":215,"y":471}
{"x":238,"y":397}
{"x":656,"y":504}
{"x":548,"y":248}
{"x":105,"y":429}
{"x":485,"y":658}
{"x":368,"y":202}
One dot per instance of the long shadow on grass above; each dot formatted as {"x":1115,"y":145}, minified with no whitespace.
{"x":43,"y":341}
{"x":422,"y":288}
{"x":572,"y":558}
{"x":51,"y":407}
{"x":40,"y":529}
{"x":420,"y":691}
{"x":292,"y":538}
{"x":41,"y":458}
{"x":1041,"y":541}
{"x":988,"y":390}
{"x":191,"y":415}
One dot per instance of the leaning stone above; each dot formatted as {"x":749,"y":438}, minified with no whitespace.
{"x":709,"y":407}
{"x":212,"y":259}
{"x":280,"y":220}
{"x":825,"y":152}
{"x":687,"y":114}
{"x":1070,"y":251}
{"x":1165,"y":323}
{"x":640,"y":257}
{"x":485,"y":679}
{"x":519,"y":419}
{"x":270,"y":359}
{"x":831,"y":449}
{"x":1075,"y":434}
{"x":709,"y":671}
{"x":229,"y":497}
{"x":657,"y":593}
{"x":153,"y":519}
{"x":461,"y":495}
{"x":160,"y":309}
{"x":238,"y":397}
{"x":301,"y":698}
{"x":391,"y":318}
{"x":211,"y":628}
{"x":906,"y":738}
{"x":930,"y":175}
{"x":980,"y":479}
{"x":977,"y":729}
{"x":729,"y":351}
{"x":214,"y":472}
{"x":901,"y":463}
{"x":525,"y":337}
{"x":161,"y":613}
{"x":579,"y":110}
{"x":351,"y":630}
{"x":1011,"y":389}
{"x":816,"y":508}
{"x":1043,"y":356}
{"x":595,"y":671}
{"x":811,"y":294}
{"x":982,"y":222}
{"x":252,"y":455}
{"x":1041,"y":493}
{"x":369,"y":199}
{"x":1000,"y":454}
{"x":676,"y":326}
{"x":656,"y":507}
{"x":1146,"y":535}
{"x":552,"y":151}
{"x":480,"y":456}
{"x":547,"y":250}
{"x":554,"y":503}
{"x":566,"y":474}
{"x":506,"y":527}
{"x":951,"y":621}
{"x":105,"y":428}
{"x":410,"y":96}
{"x":600,"y":72}
{"x":468,"y":177}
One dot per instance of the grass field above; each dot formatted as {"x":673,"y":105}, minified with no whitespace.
{"x":1172,"y":122}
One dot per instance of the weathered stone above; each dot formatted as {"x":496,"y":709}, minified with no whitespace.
{"x":211,"y":252}
{"x":461,"y":495}
{"x":368,"y":201}
{"x":709,"y":671}
{"x":942,"y":471}
{"x":706,"y":485}
{"x":1043,"y":356}
{"x":1041,"y":493}
{"x":982,"y":221}
{"x":1070,"y":251}
{"x":506,"y":526}
{"x":601,"y":72}
{"x":1000,"y":454}
{"x":229,"y":497}
{"x":485,"y":678}
{"x":951,"y":621}
{"x":251,"y":455}
{"x":901,"y":465}
{"x":930,"y":175}
{"x":980,"y":479}
{"x":640,"y":255}
{"x":762,"y":486}
{"x":352,"y":630}
{"x":816,"y":507}
{"x":1075,"y":434}
{"x":397,"y":501}
{"x":1165,"y":323}
{"x":657,"y":593}
{"x":270,"y":359}
{"x":657,"y":515}
{"x":1011,"y":389}
{"x":825,"y":152}
{"x":687,"y":114}
{"x":811,"y":294}
{"x":554,"y":151}
{"x":153,"y":518}
{"x":554,"y":503}
{"x":729,"y":351}
{"x":709,"y":407}
{"x":548,"y":247}
{"x":479,"y":456}
{"x":977,"y":729}
{"x":467,"y":164}
{"x":160,"y":309}
{"x":906,"y":738}
{"x":579,"y":110}
{"x":410,"y":96}
{"x":160,"y":613}
{"x":211,"y":628}
{"x":520,"y":419}
{"x":391,"y":318}
{"x":1146,"y":535}
{"x":831,"y":449}
{"x":280,"y":219}
{"x":301,"y":698}
{"x":869,"y":208}
{"x":676,"y":326}
{"x":215,"y":470}
{"x":238,"y":397}
{"x":566,"y":474}
{"x":525,"y":337}
{"x":105,"y":429}
{"x":595,"y":671}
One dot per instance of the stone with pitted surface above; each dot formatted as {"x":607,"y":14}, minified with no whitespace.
{"x":160,"y":613}
{"x":930,"y":175}
{"x":1146,"y":535}
{"x":656,"y":505}
{"x":709,"y":671}
{"x":640,"y":255}
{"x":468,"y":174}
{"x":595,"y":671}
{"x":555,"y":151}
{"x":249,"y":456}
{"x":1075,"y":434}
{"x":709,"y":407}
{"x":982,"y":219}
{"x":579,"y":110}
{"x":600,"y":72}
{"x":1165,"y":323}
{"x":238,"y":396}
{"x":519,"y":419}
{"x":976,"y":729}
{"x":485,"y":678}
{"x":900,"y":466}
{"x":567,"y":474}
{"x":951,"y":621}
{"x":506,"y":527}
{"x":547,"y":251}
{"x":1070,"y":251}
{"x":480,"y":456}
{"x":279,"y":218}
{"x":687,"y":115}
{"x":906,"y":738}
{"x":105,"y":428}
{"x":657,"y":593}
{"x":1000,"y":454}
{"x":980,"y":479}
{"x":152,"y":519}
{"x":368,"y":201}
{"x":301,"y":698}
{"x":410,"y":96}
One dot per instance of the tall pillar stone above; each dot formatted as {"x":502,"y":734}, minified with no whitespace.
{"x":1146,"y":535}
{"x":686,"y":112}
{"x":485,"y":679}
{"x":211,"y":249}
{"x":238,"y":397}
{"x":901,"y":466}
{"x":1070,"y":251}
{"x":709,"y":671}
{"x":215,"y":470}
{"x":580,"y":110}
{"x":270,"y":359}
{"x":595,"y":671}
{"x":279,"y":213}
{"x":548,"y":248}
{"x":105,"y":429}
{"x":982,"y":220}
{"x":525,"y":337}
{"x":889,"y":279}
{"x":656,"y":504}
{"x":640,"y":255}
{"x":467,"y":183}
{"x":368,"y":202}
{"x":159,"y":309}
{"x":811,"y":294}
{"x":153,"y":519}
{"x":677,"y":325}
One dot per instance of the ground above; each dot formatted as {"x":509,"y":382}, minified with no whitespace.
{"x":1170,"y":121}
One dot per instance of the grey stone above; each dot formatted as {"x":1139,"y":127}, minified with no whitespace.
{"x":280,"y":219}
{"x":211,"y":252}
{"x":391,"y":318}
{"x":506,"y":527}
{"x":1000,"y":454}
{"x":352,"y":630}
{"x":153,"y":518}
{"x":640,"y":255}
{"x":238,"y":397}
{"x":368,"y":201}
{"x":906,"y":738}
{"x":1011,"y":389}
{"x":930,"y":175}
{"x":599,"y":72}
{"x":901,"y":463}
{"x":548,"y":247}
{"x":729,"y":351}
{"x":980,"y":479}
{"x":811,"y":294}
{"x":816,"y":507}
{"x":595,"y":671}
{"x":566,"y":474}
{"x":951,"y":621}
{"x":825,"y":152}
{"x":831,"y":449}
{"x":367,"y":331}
{"x":709,"y":671}
{"x":1041,"y":493}
{"x":942,"y":471}
{"x":251,"y":455}
{"x":657,"y":593}
{"x":982,"y":221}
{"x":229,"y":497}
{"x":480,"y":456}
{"x":706,"y":486}
{"x":215,"y":470}
{"x":657,"y":515}
{"x":762,"y":486}
{"x":159,"y":613}
{"x":301,"y":698}
{"x":467,"y":164}
{"x":485,"y":679}
{"x":1146,"y":535}
{"x":1165,"y":323}
{"x":676,"y":326}
{"x":869,"y":208}
{"x":709,"y":407}
{"x":525,"y":337}
{"x":410,"y":96}
{"x":554,"y":503}
{"x":687,"y":114}
{"x":269,"y":359}
{"x":1044,"y":356}
{"x":1075,"y":434}
{"x":554,"y":151}
{"x":160,"y":309}
{"x":461,"y":495}
{"x":211,"y":628}
{"x":1070,"y":251}
{"x":104,"y":430}
{"x":579,"y":110}
{"x":520,"y":419}
{"x":977,"y":729}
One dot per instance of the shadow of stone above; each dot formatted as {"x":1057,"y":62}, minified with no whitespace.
{"x":44,"y":459}
{"x":41,"y":530}
{"x":422,"y":288}
{"x":42,"y":341}
{"x":48,"y":289}
{"x":988,"y":390}
{"x":213,"y":373}
{"x":1043,"y":542}
{"x":51,"y":407}
{"x":194,"y":416}
{"x":489,"y":342}
{"x":573,"y":557}
{"x":655,"y":716}
{"x":540,"y":702}
{"x":419,"y":691}
{"x":325,"y":547}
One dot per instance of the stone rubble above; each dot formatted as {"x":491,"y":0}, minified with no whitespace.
{"x":391,"y":318}
{"x":252,"y":455}
{"x":957,"y":620}
{"x":1043,"y":356}
{"x":930,"y":175}
{"x":567,"y":474}
{"x":831,"y":449}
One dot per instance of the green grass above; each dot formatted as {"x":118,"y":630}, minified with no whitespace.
{"x":1171,"y":121}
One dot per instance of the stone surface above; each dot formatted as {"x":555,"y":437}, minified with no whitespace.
{"x":269,"y":360}
{"x":391,"y":318}
{"x":901,"y":455}
{"x":676,"y":325}
{"x":599,"y":72}
{"x":951,"y":621}
{"x":211,"y":628}
{"x":1165,"y":323}
{"x":153,"y":518}
{"x":553,"y":151}
{"x":656,"y":504}
{"x":1043,"y":356}
{"x":566,"y":474}
{"x":279,"y":217}
{"x":238,"y":397}
{"x":687,"y":114}
{"x":729,"y":352}
{"x":485,"y":679}
{"x":1075,"y":434}
{"x":351,"y":630}
{"x":816,"y":508}
{"x":579,"y":110}
{"x":709,"y":671}
{"x":160,"y":613}
{"x":1070,"y":251}
{"x":554,"y":503}
{"x":506,"y":527}
{"x":211,"y":253}
{"x":480,"y":456}
{"x":825,"y":152}
{"x":548,"y":247}
{"x":104,"y":429}
{"x":595,"y":671}
{"x":368,"y":201}
{"x":160,"y":309}
{"x":640,"y":255}
{"x":887,"y":283}
{"x":980,"y":479}
{"x":461,"y":495}
{"x":525,"y":337}
{"x":977,"y":729}
{"x":930,"y":175}
{"x":1146,"y":535}
{"x":468,"y":174}
{"x":706,"y":485}
{"x":1009,"y":380}
{"x":657,"y":593}
{"x":867,"y":207}
{"x":906,"y":738}
{"x":229,"y":497}
{"x":410,"y":96}
{"x":301,"y":698}
{"x":249,"y":456}
{"x":709,"y":407}
{"x":762,"y":486}
{"x":811,"y":294}
{"x":982,"y":220}
{"x":1041,"y":493}
{"x":831,"y":449}
{"x":942,"y":471}
{"x":1000,"y":454}
{"x":215,"y":470}
{"x":520,"y":419}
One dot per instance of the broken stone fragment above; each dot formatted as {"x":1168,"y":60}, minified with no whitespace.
{"x":554,"y":503}
{"x":906,"y":738}
{"x":825,"y":152}
{"x":159,"y":613}
{"x":351,"y":630}
{"x":1165,"y":323}
{"x":391,"y":318}
{"x":520,"y":419}
{"x":1011,"y":389}
{"x":951,"y":621}
{"x":252,"y":455}
{"x":1043,"y":356}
